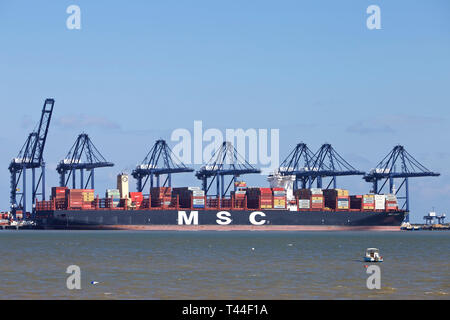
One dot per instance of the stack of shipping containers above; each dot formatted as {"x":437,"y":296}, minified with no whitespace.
{"x":161,"y":196}
{"x":113,"y":194}
{"x":59,"y":195}
{"x":391,"y":202}
{"x":356,"y":202}
{"x":279,"y":198}
{"x":304,"y":198}
{"x":368,"y":202}
{"x":265,"y":198}
{"x":343,"y":201}
{"x":239,"y":197}
{"x":261,"y":196}
{"x":136,"y":199}
{"x":336,"y":199}
{"x":380,"y":202}
{"x":329,"y":197}
{"x":313,"y":199}
{"x":317,"y":199}
{"x":198,"y":197}
{"x":188,"y":196}
{"x":74,"y":198}
{"x":88,"y":198}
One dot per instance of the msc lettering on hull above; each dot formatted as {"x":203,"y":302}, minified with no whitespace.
{"x":223,"y":218}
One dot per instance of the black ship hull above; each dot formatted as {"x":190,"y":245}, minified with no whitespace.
{"x":219,"y":220}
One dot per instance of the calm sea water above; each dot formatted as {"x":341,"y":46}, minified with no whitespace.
{"x":222,"y":265}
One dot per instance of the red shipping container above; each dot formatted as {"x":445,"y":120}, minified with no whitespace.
{"x":59,"y":192}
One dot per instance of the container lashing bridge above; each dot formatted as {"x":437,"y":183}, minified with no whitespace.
{"x":387,"y":171}
{"x":30,"y":157}
{"x":225,"y":162}
{"x":83,"y":155}
{"x":159,"y":161}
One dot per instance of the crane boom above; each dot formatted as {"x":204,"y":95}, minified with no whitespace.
{"x":31,"y":156}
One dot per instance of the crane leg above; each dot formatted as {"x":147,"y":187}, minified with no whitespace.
{"x":24,"y":193}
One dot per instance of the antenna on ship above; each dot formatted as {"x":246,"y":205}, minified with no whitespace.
{"x":74,"y":160}
{"x":226,"y":161}
{"x":159,"y":160}
{"x":31,"y":156}
{"x":386,"y":170}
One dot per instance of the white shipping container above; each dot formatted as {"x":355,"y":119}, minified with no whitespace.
{"x":343,"y":203}
{"x":316,"y":191}
{"x":391,"y":197}
{"x":198,"y":201}
{"x":198,"y":193}
{"x":317,"y":201}
{"x":368,"y":199}
{"x":304,"y":204}
{"x":380,"y":201}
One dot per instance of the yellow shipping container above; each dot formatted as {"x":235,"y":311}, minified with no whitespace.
{"x":88,"y":196}
{"x":317,"y":198}
{"x":342,"y":192}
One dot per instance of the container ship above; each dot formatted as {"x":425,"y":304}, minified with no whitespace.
{"x":289,"y":203}
{"x":246,"y":208}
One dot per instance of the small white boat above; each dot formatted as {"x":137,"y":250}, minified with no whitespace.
{"x":373,"y":255}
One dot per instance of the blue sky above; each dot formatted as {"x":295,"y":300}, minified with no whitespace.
{"x":137,"y":70}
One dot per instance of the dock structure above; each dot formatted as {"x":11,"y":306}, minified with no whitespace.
{"x":397,"y":165}
{"x":431,"y":218}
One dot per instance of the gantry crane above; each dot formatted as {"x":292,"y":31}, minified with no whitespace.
{"x":328,"y":163}
{"x":159,"y":161}
{"x":299,"y":164}
{"x":398,"y":164}
{"x":30,"y":157}
{"x":225,"y":161}
{"x":308,"y":167}
{"x":74,"y":161}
